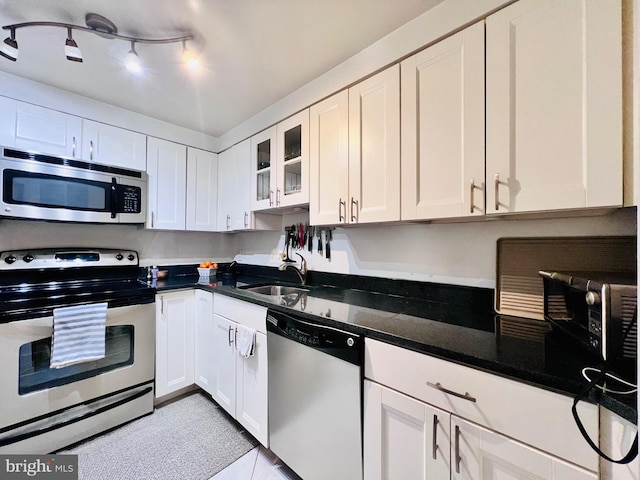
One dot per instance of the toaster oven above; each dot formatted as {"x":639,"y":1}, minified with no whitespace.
{"x":596,"y":309}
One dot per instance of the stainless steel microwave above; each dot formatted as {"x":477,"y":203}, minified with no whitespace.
{"x":43,"y":187}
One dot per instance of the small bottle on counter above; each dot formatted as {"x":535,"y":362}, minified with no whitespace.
{"x":149,"y":273}
{"x":154,"y":272}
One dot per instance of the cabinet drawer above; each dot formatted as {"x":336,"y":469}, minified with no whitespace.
{"x":532,"y":415}
{"x":245,"y":313}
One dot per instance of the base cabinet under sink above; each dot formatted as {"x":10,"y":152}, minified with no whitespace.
{"x":239,"y":384}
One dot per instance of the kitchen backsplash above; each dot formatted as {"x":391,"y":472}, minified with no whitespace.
{"x":453,"y":253}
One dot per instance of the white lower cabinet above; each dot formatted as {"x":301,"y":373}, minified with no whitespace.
{"x":481,"y":454}
{"x":440,"y":420}
{"x":240,"y":384}
{"x":174,"y":341}
{"x":403,"y":437}
{"x":203,"y":331}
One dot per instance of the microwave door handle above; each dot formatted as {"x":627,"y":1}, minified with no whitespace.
{"x":114,"y":197}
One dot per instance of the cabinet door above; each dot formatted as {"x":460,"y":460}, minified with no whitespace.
{"x":113,"y":146}
{"x":227,"y":174}
{"x":167,"y":170}
{"x":374,"y":148}
{"x":225,"y":358}
{"x":329,"y":160}
{"x":202,"y":190}
{"x":443,"y":128}
{"x":292,"y":160}
{"x":242,"y":218}
{"x":554,"y":106}
{"x":263,"y":170}
{"x":616,"y":438}
{"x":174,"y":341}
{"x":204,"y":341}
{"x":480,"y":454}
{"x":251,"y":401}
{"x":40,"y":129}
{"x":403,"y":438}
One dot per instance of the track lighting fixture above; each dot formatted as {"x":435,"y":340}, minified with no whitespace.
{"x":132,"y":62}
{"x":100,"y":26}
{"x":190,"y":59}
{"x":9,"y":48}
{"x":71,"y":49}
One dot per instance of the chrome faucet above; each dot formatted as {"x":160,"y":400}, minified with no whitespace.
{"x":302,"y":271}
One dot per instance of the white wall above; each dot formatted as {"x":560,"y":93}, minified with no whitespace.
{"x":455,"y":253}
{"x":153,"y":246}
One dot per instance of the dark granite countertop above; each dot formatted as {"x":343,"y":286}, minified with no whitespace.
{"x":454,"y":323}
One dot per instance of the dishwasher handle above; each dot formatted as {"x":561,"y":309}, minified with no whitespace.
{"x":332,"y":341}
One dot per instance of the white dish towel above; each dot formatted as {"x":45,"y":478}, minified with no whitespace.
{"x":245,"y":340}
{"x":78,"y":334}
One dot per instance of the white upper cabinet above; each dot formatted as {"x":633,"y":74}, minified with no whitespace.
{"x":202,"y":190}
{"x":329,"y":159}
{"x":443,"y":128}
{"x":114,"y":146}
{"x":355,"y":153}
{"x":292,"y":160}
{"x":234,"y":178}
{"x":554,"y":106}
{"x":263,"y":169}
{"x":40,"y":129}
{"x":374,"y":149}
{"x":167,"y":170}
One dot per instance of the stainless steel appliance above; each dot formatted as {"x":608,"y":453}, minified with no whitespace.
{"x":596,"y":309}
{"x":43,"y":187}
{"x":315,"y":395}
{"x":44,"y":409}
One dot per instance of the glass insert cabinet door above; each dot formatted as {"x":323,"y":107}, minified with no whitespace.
{"x":280,"y":163}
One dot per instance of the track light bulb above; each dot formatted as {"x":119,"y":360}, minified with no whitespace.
{"x":9,"y":48}
{"x":190,"y":59}
{"x":132,"y":61}
{"x":71,"y":49}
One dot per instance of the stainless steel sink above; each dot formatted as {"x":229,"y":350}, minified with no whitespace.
{"x":276,"y":290}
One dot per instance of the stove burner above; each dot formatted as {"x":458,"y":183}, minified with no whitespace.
{"x":34,"y":282}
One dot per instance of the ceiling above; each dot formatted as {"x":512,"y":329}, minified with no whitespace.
{"x":253,"y":52}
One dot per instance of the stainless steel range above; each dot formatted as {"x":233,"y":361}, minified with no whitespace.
{"x":45,"y":407}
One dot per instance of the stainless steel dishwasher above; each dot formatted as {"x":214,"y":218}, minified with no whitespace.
{"x":315,"y":398}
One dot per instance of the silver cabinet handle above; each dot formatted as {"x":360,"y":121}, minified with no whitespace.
{"x":340,"y":205}
{"x":464,"y":396}
{"x":152,"y":219}
{"x":91,"y":150}
{"x":73,"y":153}
{"x":228,"y":222}
{"x":229,"y":336}
{"x":277,"y":197}
{"x":496,"y":181}
{"x":246,"y":220}
{"x":471,"y":192}
{"x":161,"y":305}
{"x":457,"y":449}
{"x":434,"y":447}
{"x":271,"y":198}
{"x":354,"y":202}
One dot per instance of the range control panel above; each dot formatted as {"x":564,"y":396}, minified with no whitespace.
{"x":66,"y":258}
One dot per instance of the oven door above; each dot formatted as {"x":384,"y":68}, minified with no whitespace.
{"x":44,"y":409}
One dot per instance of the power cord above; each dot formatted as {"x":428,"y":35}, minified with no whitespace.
{"x":605,"y":388}
{"x":593,"y":383}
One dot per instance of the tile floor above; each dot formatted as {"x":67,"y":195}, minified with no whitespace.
{"x":257,"y":464}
